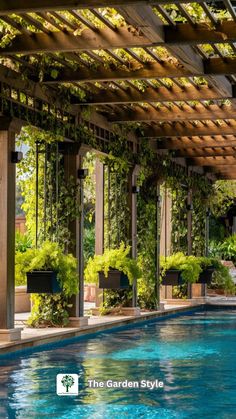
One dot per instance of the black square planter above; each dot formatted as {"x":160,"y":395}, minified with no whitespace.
{"x":43,"y":282}
{"x":205,"y":276}
{"x":115,"y":280}
{"x":172,"y":277}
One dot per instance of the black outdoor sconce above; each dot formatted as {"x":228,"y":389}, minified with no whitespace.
{"x":159,"y":199}
{"x":189,"y":207}
{"x":16,"y":156}
{"x":135,"y":189}
{"x":82,"y":173}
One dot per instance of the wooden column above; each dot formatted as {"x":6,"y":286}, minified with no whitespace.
{"x":7,"y":234}
{"x":158,"y":208}
{"x":99,"y":208}
{"x":207,"y":220}
{"x":189,"y":222}
{"x":132,"y":202}
{"x":80,"y":233}
{"x":166,"y":224}
{"x":189,"y":232}
{"x":73,"y":161}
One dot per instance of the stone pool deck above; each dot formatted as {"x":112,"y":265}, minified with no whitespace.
{"x":31,"y":337}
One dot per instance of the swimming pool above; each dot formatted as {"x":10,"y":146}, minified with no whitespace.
{"x":193,"y":354}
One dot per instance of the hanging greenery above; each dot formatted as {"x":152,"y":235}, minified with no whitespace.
{"x":57,"y":190}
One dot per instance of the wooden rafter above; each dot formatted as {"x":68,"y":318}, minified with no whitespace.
{"x":212,"y":161}
{"x":197,"y":143}
{"x":212,"y":112}
{"x":189,"y":129}
{"x":159,"y":94}
{"x":206,"y":152}
{"x":213,"y":66}
{"x":29,"y":6}
{"x":183,"y":34}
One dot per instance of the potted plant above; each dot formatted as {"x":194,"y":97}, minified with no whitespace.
{"x":208,"y":267}
{"x":48,"y":308}
{"x":112,"y":270}
{"x":178,"y":269}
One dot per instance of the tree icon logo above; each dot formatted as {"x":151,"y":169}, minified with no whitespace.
{"x":67,"y":384}
{"x":67,"y":381}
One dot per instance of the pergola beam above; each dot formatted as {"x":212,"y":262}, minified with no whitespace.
{"x":212,"y":66}
{"x":178,"y":129}
{"x":207,"y":152}
{"x":212,"y":112}
{"x":196,"y":143}
{"x":159,"y":94}
{"x":182,"y":34}
{"x":29,"y":6}
{"x":212,"y":161}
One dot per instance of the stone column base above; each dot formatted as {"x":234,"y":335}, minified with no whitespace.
{"x":10,"y":335}
{"x":131,"y":311}
{"x":161,"y":306}
{"x":78,"y":321}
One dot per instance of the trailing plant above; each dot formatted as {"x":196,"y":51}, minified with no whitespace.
{"x":146,"y":240}
{"x":57,"y":192}
{"x":114,"y":258}
{"x":49,"y":309}
{"x":188,"y":265}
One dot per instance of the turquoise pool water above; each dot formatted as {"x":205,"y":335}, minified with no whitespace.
{"x":193,"y":354}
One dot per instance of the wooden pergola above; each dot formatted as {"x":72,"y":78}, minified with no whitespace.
{"x":168,"y":68}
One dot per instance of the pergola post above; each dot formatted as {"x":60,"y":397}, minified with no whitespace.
{"x":189,"y":232}
{"x":99,"y":208}
{"x":158,"y":204}
{"x":73,"y":162}
{"x":132,"y":202}
{"x":207,"y":222}
{"x":7,"y":233}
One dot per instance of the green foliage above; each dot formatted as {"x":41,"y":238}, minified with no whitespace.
{"x":192,"y":266}
{"x":51,"y":257}
{"x":146,"y":234}
{"x":188,"y":265}
{"x":57,"y":198}
{"x":89,"y":244}
{"x":223,"y":197}
{"x":49,"y":309}
{"x":114,"y":258}
{"x":227,"y":249}
{"x":23,"y":242}
{"x":115,"y":298}
{"x":22,"y":263}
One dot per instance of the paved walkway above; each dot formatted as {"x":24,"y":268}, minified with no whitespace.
{"x":31,"y":337}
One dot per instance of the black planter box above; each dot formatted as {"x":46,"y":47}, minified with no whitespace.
{"x":205,"y":276}
{"x":172,"y":277}
{"x":115,"y":280}
{"x":42,"y":282}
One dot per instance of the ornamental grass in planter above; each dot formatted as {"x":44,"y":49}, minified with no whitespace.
{"x":49,"y":309}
